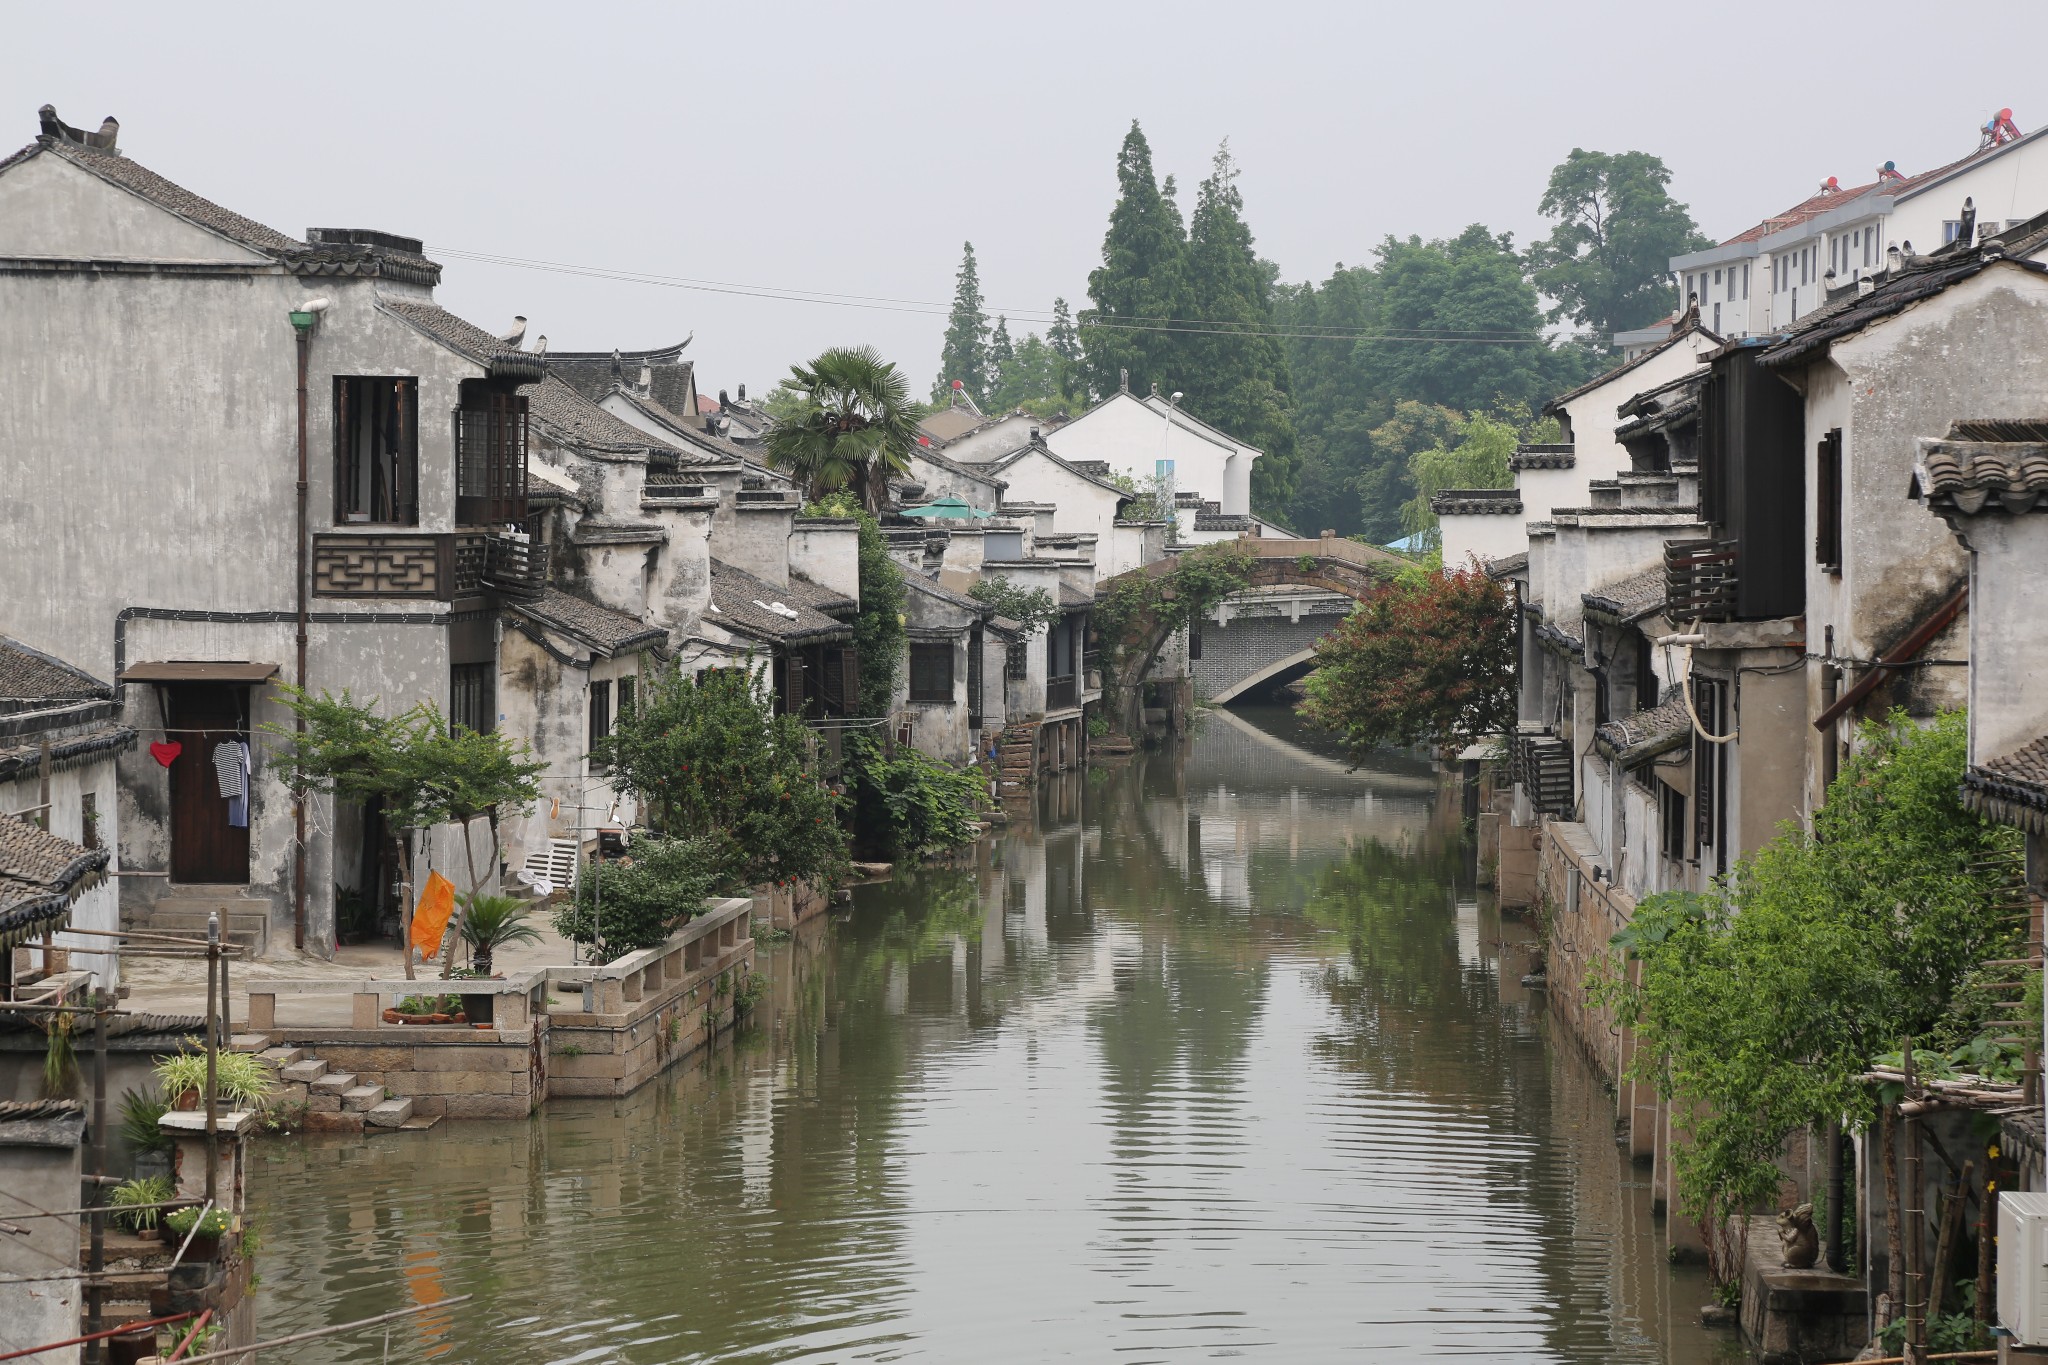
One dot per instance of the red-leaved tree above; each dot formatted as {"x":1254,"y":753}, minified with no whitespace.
{"x":1429,"y":659}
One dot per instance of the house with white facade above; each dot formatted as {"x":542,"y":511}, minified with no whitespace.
{"x":300,"y":487}
{"x":1778,"y":271}
{"x":1150,"y":438}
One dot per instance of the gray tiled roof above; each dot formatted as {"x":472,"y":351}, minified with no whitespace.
{"x":67,"y":751}
{"x":1922,"y":278}
{"x":1630,"y":598}
{"x":1507,"y":564}
{"x":39,"y":873}
{"x":1983,"y":461}
{"x":743,"y":603}
{"x":933,"y":588}
{"x":144,"y":183}
{"x":29,"y":675}
{"x":602,"y":628}
{"x":1646,"y":734}
{"x":816,"y":594}
{"x":2013,"y":787}
{"x":1477,"y":502}
{"x":1555,"y":456}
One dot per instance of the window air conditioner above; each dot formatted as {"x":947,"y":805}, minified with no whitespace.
{"x":2023,"y":1266}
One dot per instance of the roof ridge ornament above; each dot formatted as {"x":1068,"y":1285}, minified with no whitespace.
{"x":104,"y":140}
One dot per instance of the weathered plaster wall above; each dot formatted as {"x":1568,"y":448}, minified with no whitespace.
{"x":755,"y":540}
{"x":99,"y":908}
{"x":1489,"y":537}
{"x":826,"y":550}
{"x":2008,"y":647}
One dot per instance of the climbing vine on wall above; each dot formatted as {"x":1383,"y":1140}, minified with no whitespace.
{"x":1199,"y":580}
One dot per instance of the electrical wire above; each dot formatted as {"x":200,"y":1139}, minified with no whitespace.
{"x":1480,"y":336}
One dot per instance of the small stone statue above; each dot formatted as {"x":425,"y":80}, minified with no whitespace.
{"x":1799,"y":1238}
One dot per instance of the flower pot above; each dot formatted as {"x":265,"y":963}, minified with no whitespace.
{"x":187,"y":1100}
{"x":392,"y":1017}
{"x":205,"y":1247}
{"x":459,"y":1017}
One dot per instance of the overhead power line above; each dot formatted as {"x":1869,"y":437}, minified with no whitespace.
{"x":928,"y":308}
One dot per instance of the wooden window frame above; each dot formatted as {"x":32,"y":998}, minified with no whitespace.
{"x":354,"y":397}
{"x":1827,"y":502}
{"x":922,"y":688}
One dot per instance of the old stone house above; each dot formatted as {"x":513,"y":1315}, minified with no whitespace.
{"x":60,"y":734}
{"x":290,"y":483}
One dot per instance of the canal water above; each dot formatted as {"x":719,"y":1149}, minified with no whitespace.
{"x":1216,"y":1054}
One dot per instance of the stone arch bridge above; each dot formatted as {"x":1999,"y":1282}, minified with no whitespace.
{"x":1264,"y":635}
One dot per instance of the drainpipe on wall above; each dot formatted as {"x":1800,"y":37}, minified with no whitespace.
{"x":302,"y":319}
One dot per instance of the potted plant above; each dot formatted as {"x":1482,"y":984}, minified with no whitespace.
{"x":427,"y":1009}
{"x":238,"y":1077}
{"x":488,"y":924}
{"x":205,"y":1243}
{"x":141,"y":1129}
{"x":135,"y":1201}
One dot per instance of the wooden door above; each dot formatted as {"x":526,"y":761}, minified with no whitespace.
{"x":204,"y":846}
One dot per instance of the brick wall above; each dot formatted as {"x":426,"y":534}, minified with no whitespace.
{"x":1249,"y":644}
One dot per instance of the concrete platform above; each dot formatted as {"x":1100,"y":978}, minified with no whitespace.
{"x":1798,"y":1317}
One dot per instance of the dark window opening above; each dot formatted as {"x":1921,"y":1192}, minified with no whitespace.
{"x":89,"y":820}
{"x":1602,"y":709}
{"x":975,"y":650}
{"x":931,"y":672}
{"x":1671,"y":821}
{"x":1710,"y":774}
{"x":628,"y":691}
{"x":490,"y":456}
{"x":376,"y":451}
{"x":472,"y":704}
{"x":600,"y":711}
{"x":1194,"y":642}
{"x":1827,"y":511}
{"x":1648,"y":685}
{"x":1017,"y":662}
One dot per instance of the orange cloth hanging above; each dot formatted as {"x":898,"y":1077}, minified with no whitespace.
{"x":430,"y":918}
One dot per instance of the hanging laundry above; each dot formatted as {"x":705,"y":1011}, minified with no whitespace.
{"x":231,"y":771}
{"x":430,"y":919}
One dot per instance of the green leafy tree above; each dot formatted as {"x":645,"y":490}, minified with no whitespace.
{"x":907,"y":803}
{"x":1035,"y":379}
{"x":1457,"y":324}
{"x":851,"y":427}
{"x":964,"y":354}
{"x":1607,"y":260}
{"x":1066,"y":347}
{"x":1477,"y":457}
{"x":1334,"y":411}
{"x":422,"y":771}
{"x":1141,"y":285}
{"x":1428,"y":659}
{"x":709,"y":759}
{"x":1232,"y":368}
{"x":635,"y":902}
{"x":878,"y":634}
{"x":1029,"y":609}
{"x":1757,"y":1011}
{"x":1001,"y":356}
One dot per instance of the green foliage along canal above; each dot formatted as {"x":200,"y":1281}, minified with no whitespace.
{"x":1218,"y":1056}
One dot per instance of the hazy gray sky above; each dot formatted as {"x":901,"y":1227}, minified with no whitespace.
{"x":852,"y":148}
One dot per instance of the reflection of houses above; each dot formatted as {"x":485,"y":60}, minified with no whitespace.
{"x":59,"y":735}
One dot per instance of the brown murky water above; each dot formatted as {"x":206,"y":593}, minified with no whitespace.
{"x":1219,"y":1057}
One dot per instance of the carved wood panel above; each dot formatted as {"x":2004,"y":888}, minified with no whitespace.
{"x":377,"y":566}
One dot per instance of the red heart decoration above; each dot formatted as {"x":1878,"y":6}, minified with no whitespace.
{"x":166,"y":754}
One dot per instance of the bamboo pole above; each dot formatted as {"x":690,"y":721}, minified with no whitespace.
{"x":1895,"y":1262}
{"x":1951,"y":1237}
{"x":1914,"y":1217}
{"x":1987,"y":1229}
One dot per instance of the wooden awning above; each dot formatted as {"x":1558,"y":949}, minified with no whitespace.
{"x":199,"y":670}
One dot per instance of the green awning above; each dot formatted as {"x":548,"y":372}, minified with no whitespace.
{"x":946,"y":509}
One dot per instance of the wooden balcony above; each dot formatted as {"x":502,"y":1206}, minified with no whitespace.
{"x":1700,"y":579}
{"x":1061,"y":693}
{"x":443,"y":567}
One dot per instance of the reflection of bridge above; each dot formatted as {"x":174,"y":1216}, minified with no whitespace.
{"x":1299,"y":589}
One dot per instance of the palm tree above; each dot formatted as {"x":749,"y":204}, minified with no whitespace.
{"x":494,"y":922}
{"x":852,"y":425}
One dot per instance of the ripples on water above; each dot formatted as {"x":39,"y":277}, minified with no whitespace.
{"x":1213,"y":1059}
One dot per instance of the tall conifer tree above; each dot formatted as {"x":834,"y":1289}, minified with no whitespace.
{"x":965,"y":354}
{"x":1142,"y":282}
{"x":1066,"y":346}
{"x":1232,"y":368}
{"x":1002,"y":355}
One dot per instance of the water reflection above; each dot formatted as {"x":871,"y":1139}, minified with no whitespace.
{"x":1215,"y":1055}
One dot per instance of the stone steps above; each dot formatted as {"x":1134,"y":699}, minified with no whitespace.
{"x":243,"y":921}
{"x":335,"y":1101}
{"x":390,"y":1113}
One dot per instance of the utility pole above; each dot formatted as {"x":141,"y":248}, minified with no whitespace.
{"x":212,"y":1055}
{"x":97,"y":1260}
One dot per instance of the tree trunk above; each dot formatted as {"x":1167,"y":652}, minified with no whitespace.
{"x":405,"y":903}
{"x":1951,"y":1235}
